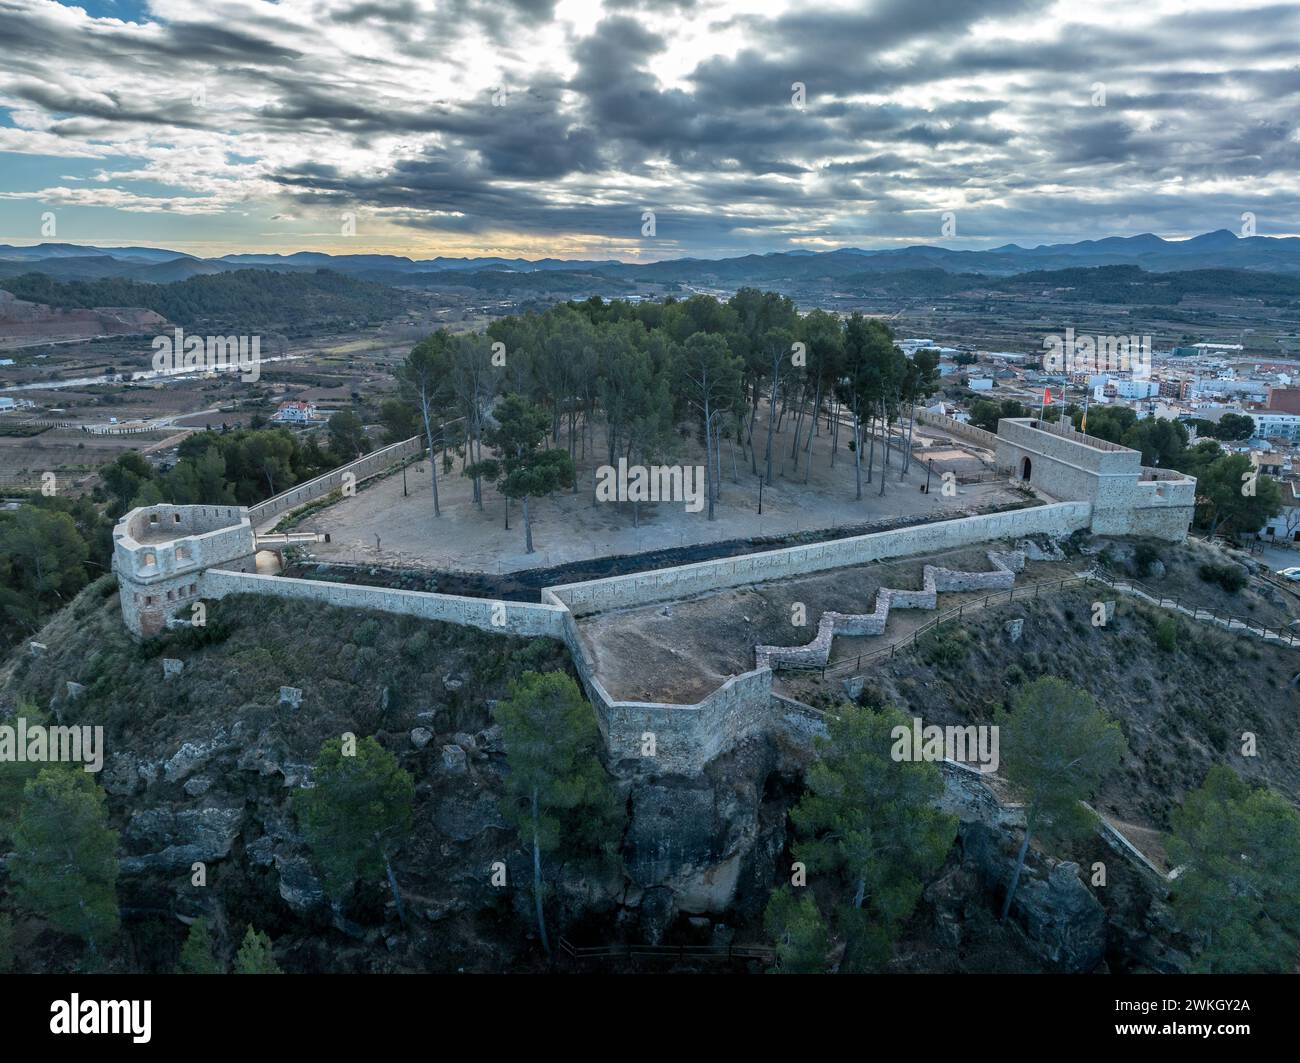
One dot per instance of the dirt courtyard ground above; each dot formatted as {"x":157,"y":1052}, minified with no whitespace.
{"x":382,"y":525}
{"x":680,"y":652}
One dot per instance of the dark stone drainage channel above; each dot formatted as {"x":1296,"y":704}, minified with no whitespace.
{"x":526,"y":585}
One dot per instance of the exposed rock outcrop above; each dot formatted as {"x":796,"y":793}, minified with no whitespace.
{"x":173,"y":840}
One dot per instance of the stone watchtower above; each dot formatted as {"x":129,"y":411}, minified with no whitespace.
{"x":160,"y":553}
{"x":1127,"y":497}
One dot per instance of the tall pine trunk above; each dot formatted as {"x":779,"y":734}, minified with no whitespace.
{"x":433,"y":456}
{"x":708,"y":454}
{"x":837,"y":411}
{"x":771,"y":414}
{"x":857,"y":451}
{"x":1020,"y":864}
{"x":392,"y":885}
{"x":537,"y":878}
{"x":871,"y":458}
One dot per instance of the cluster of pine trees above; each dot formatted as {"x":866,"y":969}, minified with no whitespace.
{"x":737,"y":373}
{"x":869,"y":837}
{"x":239,"y":467}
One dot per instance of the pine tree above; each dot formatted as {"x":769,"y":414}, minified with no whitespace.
{"x":520,"y":469}
{"x":1231,"y":496}
{"x":6,"y":943}
{"x":711,"y":380}
{"x":424,"y":375}
{"x":796,"y":925}
{"x":871,"y":822}
{"x":64,"y":865}
{"x":1239,"y":853}
{"x":255,"y":956}
{"x":1056,"y":747}
{"x":197,"y":954}
{"x":15,"y":774}
{"x":559,"y":795}
{"x":357,"y":814}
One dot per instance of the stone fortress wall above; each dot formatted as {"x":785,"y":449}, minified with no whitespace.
{"x":979,"y":436}
{"x":161,"y":553}
{"x":1127,"y":498}
{"x":684,"y":581}
{"x":506,"y":618}
{"x":362,"y":469}
{"x":934,"y":581}
{"x":168,"y":556}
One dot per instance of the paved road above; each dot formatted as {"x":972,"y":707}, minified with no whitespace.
{"x":1278,"y":557}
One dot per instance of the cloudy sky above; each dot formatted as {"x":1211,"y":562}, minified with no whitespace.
{"x":547,"y":127}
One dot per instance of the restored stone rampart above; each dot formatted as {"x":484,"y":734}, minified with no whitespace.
{"x":979,"y":436}
{"x":362,"y":469}
{"x":506,"y":618}
{"x":684,"y":581}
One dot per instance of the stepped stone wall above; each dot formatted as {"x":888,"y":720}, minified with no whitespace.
{"x":934,"y":580}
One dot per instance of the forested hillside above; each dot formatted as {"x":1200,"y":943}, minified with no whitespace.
{"x":1124,"y":285}
{"x":244,"y":301}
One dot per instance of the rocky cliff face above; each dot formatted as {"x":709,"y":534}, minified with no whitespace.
{"x":201,"y":767}
{"x":707,"y":846}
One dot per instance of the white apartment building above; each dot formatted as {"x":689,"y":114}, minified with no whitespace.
{"x":1270,"y":425}
{"x":1136,"y":389}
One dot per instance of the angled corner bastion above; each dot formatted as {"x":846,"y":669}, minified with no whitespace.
{"x":167,"y":557}
{"x":161,"y":552}
{"x":1127,"y":498}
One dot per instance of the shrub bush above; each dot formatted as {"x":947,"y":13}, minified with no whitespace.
{"x":945,"y":647}
{"x":416,"y":645}
{"x":1167,"y":634}
{"x":1144,"y":556}
{"x":1231,"y":578}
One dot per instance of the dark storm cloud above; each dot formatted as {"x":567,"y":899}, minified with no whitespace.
{"x":908,"y":109}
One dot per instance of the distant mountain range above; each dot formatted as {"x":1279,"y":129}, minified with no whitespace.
{"x":1215,"y":250}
